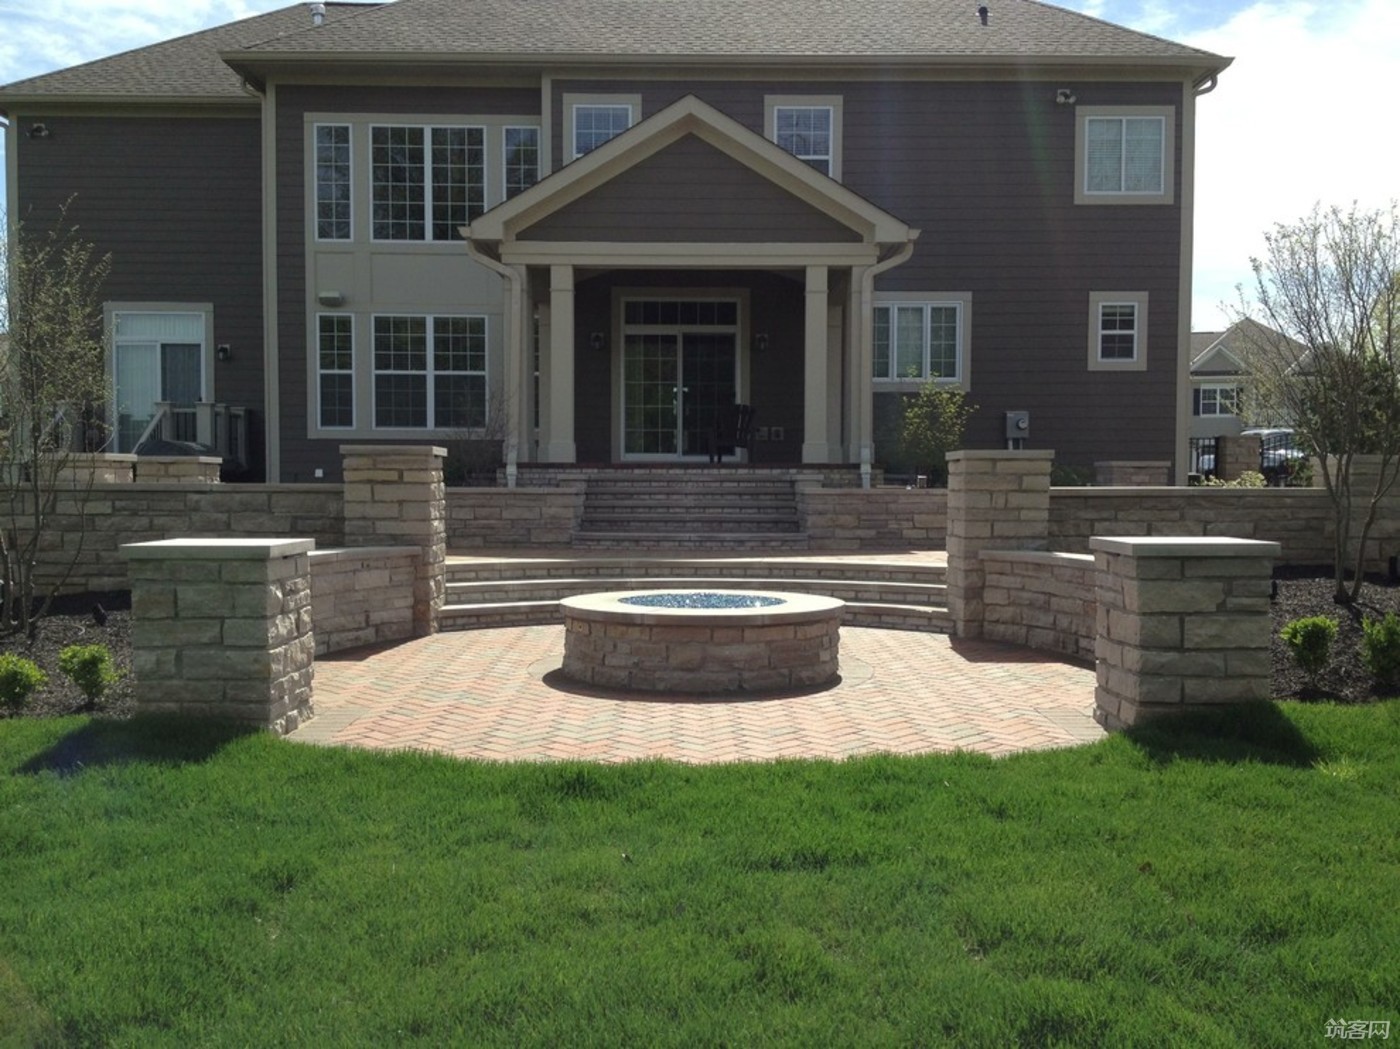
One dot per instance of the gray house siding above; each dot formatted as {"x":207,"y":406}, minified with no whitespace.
{"x":986,"y":171}
{"x":301,"y":456}
{"x":176,"y":201}
{"x":689,"y":191}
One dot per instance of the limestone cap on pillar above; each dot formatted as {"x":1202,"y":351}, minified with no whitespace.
{"x":216,"y":549}
{"x":1183,"y":546}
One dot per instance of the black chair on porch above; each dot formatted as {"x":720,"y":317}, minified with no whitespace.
{"x":733,"y":430}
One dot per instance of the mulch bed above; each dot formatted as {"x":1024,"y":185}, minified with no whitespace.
{"x":1300,"y":592}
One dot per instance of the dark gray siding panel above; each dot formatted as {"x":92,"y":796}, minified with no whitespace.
{"x":690,"y":191}
{"x":300,"y":455}
{"x":177,"y":204}
{"x":986,"y":171}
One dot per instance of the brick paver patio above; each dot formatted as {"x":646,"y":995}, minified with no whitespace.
{"x":495,"y":695}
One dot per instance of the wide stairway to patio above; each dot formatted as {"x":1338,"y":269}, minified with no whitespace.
{"x":891,"y":591}
{"x":692,"y":509}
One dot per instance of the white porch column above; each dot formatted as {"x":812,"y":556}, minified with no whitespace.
{"x":815,"y":447}
{"x":559,"y":437}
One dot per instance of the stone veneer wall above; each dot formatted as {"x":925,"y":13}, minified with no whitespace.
{"x":181,"y":469}
{"x":1182,"y":624}
{"x":221,"y":628}
{"x":1041,"y":600}
{"x":868,"y":519}
{"x":501,"y":517}
{"x":363,"y":596}
{"x":1132,"y":472}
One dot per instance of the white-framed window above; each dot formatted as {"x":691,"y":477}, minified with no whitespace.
{"x":808,"y":127}
{"x":333,"y":182}
{"x":425,"y":182}
{"x":429,"y":372}
{"x":1218,"y":399}
{"x":918,"y":338}
{"x":1118,"y":331}
{"x":159,"y":354}
{"x":1124,"y":154}
{"x":335,"y":371}
{"x":521,"y":157}
{"x":595,"y":119}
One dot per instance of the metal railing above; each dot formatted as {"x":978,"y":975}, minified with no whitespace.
{"x":1205,"y":456}
{"x":221,"y":428}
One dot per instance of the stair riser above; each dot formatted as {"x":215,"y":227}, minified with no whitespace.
{"x":546,"y":590}
{"x":465,"y":619}
{"x":743,"y":573}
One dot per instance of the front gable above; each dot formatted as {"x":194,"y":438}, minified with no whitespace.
{"x":690,"y":191}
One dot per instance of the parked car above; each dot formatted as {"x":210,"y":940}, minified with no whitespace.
{"x":1279,"y":454}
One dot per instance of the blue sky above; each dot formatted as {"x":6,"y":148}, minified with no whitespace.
{"x":1292,"y":123}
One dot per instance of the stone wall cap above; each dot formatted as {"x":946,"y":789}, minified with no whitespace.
{"x":1184,"y":546}
{"x":216,"y":549}
{"x":102,"y":457}
{"x":393,"y":449}
{"x":1000,"y":453}
{"x":170,"y":460}
{"x":1139,"y":463}
{"x":356,"y":553}
{"x":609,"y":607}
{"x":1039,"y":557}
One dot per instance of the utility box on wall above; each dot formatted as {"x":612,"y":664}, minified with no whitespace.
{"x":1018,"y":429}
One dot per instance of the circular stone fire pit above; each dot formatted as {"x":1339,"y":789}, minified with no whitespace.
{"x":701,"y":641}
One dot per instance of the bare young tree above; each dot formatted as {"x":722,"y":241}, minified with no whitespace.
{"x":1331,"y":282}
{"x":53,"y":390}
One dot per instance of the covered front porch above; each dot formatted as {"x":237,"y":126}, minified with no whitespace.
{"x":686,"y":266}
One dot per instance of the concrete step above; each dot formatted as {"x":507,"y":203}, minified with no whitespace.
{"x":746,"y":570}
{"x":687,"y":525}
{"x":683,"y":540}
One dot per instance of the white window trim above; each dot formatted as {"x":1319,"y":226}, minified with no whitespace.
{"x":428,"y":129}
{"x":1234,"y":391}
{"x":1083,"y":114}
{"x":354,"y":385}
{"x":1099,"y":299}
{"x":315,"y":183}
{"x":110,"y":311}
{"x":572,"y":102}
{"x":539,"y":155}
{"x":960,"y":299}
{"x":834,"y":103}
{"x":431,"y":428}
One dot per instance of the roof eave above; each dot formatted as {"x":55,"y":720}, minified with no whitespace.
{"x":13,"y":103}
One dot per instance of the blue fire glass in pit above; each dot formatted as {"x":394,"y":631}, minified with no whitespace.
{"x":702,"y":600}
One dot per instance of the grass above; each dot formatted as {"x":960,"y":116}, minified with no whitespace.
{"x":1222,"y":882}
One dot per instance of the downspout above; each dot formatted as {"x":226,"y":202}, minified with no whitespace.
{"x":1206,"y":84}
{"x":897,"y":257}
{"x":272,"y":412}
{"x":514,"y":333}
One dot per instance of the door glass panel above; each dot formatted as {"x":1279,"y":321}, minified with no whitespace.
{"x":650,"y":371}
{"x":138,"y":389}
{"x":707,"y":386}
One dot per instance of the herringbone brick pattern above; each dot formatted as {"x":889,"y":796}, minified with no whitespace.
{"x":494,"y":695}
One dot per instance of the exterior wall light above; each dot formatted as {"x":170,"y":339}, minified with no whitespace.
{"x":598,"y":341}
{"x":330,"y":299}
{"x":760,"y":342}
{"x":224,"y":352}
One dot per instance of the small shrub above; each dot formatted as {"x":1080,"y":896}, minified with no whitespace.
{"x":1247,"y":479}
{"x":1063,"y":475}
{"x":18,"y":678}
{"x":89,"y":667}
{"x":1309,"y":639}
{"x":1380,"y":648}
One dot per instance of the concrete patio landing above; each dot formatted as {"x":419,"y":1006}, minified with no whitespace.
{"x":496,"y":695}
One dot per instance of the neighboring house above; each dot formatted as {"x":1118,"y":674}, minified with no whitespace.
{"x":1220,"y":378}
{"x":806,"y":206}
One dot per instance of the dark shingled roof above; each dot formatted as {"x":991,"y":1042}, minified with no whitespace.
{"x":186,"y":68}
{"x":883,"y":29}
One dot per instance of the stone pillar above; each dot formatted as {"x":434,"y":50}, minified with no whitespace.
{"x":997,"y":500}
{"x":178,"y":469}
{"x":81,"y":468}
{"x":394,"y":496}
{"x":1183,"y":624}
{"x":1235,"y":455}
{"x":559,"y":441}
{"x":222,"y":629}
{"x":814,"y":373}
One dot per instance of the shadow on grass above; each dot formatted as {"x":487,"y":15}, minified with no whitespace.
{"x":1252,"y":732}
{"x":149,"y":739}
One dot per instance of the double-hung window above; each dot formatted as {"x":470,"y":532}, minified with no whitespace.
{"x":918,"y":341}
{"x":335,"y":367}
{"x":808,"y":127}
{"x":333,"y":182}
{"x":521,"y":150}
{"x":1218,"y":399}
{"x":426,"y":182}
{"x":1124,"y":155}
{"x":1118,"y":331}
{"x":429,"y":372}
{"x":596,"y":123}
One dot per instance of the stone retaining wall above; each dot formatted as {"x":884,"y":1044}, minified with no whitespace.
{"x":480,"y":518}
{"x":1041,"y":600}
{"x":1132,"y":472}
{"x":869,"y":519}
{"x":363,"y":596}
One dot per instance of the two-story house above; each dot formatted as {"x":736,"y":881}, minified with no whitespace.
{"x":588,"y":227}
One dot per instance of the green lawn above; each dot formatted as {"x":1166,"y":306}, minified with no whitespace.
{"x":1230,"y":883}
